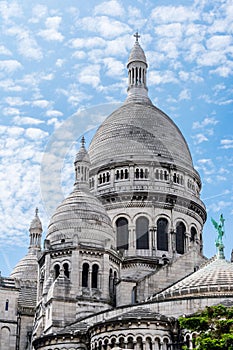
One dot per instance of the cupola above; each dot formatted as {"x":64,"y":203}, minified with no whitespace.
{"x":137,"y":70}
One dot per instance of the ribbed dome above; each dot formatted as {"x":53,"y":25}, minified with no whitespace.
{"x":82,"y":155}
{"x":27,"y":268}
{"x":216,"y":276}
{"x":36,"y":223}
{"x":80,"y":215}
{"x":137,"y":132}
{"x":137,"y":54}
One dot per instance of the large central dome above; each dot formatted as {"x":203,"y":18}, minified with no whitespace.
{"x":139,"y":131}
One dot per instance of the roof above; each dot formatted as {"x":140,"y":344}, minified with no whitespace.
{"x":216,"y":276}
{"x":137,"y":54}
{"x":83,"y":215}
{"x":138,"y":132}
{"x":27,"y":267}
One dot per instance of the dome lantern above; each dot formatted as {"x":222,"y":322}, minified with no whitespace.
{"x":137,"y":70}
{"x":35,"y":232}
{"x":82,"y":166}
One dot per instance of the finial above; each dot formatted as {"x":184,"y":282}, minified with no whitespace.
{"x":83,"y":142}
{"x":137,"y":36}
{"x":36,"y":211}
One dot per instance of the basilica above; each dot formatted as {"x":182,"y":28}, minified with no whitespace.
{"x":122,"y":258}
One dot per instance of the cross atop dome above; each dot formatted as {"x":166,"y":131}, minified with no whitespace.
{"x":137,"y":36}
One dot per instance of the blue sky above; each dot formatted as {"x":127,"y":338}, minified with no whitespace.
{"x":59,"y":59}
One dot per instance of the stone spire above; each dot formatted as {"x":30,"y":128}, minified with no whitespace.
{"x":82,"y":166}
{"x":137,"y":70}
{"x":35,"y":232}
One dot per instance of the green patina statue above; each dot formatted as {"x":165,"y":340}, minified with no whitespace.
{"x":220,"y":229}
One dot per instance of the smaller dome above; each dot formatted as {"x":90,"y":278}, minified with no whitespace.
{"x":27,"y":268}
{"x":137,"y":54}
{"x":36,"y":223}
{"x":80,"y":215}
{"x":82,"y":155}
{"x":216,"y":276}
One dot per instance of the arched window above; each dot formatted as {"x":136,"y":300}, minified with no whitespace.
{"x":142,"y":233}
{"x":193,"y":234}
{"x":7,"y":305}
{"x":137,"y":173}
{"x":94,"y":276}
{"x":122,"y":233}
{"x":180,"y":238}
{"x":126,"y":174}
{"x":66,"y":270}
{"x":5,"y":335}
{"x":162,"y":234}
{"x":56,"y":271}
{"x":85,"y":273}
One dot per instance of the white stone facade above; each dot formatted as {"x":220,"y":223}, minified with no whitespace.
{"x":122,"y":259}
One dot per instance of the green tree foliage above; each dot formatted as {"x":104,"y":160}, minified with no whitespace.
{"x":214,"y":326}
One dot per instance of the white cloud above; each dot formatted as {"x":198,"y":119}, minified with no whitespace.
{"x":14,"y":101}
{"x":169,"y":14}
{"x":10,"y":111}
{"x":110,"y":8}
{"x":39,"y":11}
{"x":19,"y":120}
{"x":115,"y":68}
{"x":199,"y":138}
{"x":218,"y":206}
{"x":157,"y":78}
{"x":41,"y":103}
{"x":55,"y":122}
{"x":10,"y":9}
{"x":59,"y":62}
{"x":171,"y":30}
{"x":90,"y":75}
{"x":36,"y":134}
{"x":9,"y":85}
{"x":79,"y":55}
{"x":4,"y":51}
{"x":10,"y":66}
{"x":26,"y":43}
{"x":219,"y":42}
{"x":88,"y":42}
{"x":28,"y":47}
{"x":211,"y":58}
{"x":205,"y":122}
{"x":51,"y":32}
{"x":184,"y":95}
{"x":226,"y":143}
{"x":53,"y":113}
{"x":105,"y":26}
{"x":169,"y":47}
{"x":224,"y":70}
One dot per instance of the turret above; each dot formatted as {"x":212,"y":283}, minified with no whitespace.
{"x":35,"y":232}
{"x":82,"y":165}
